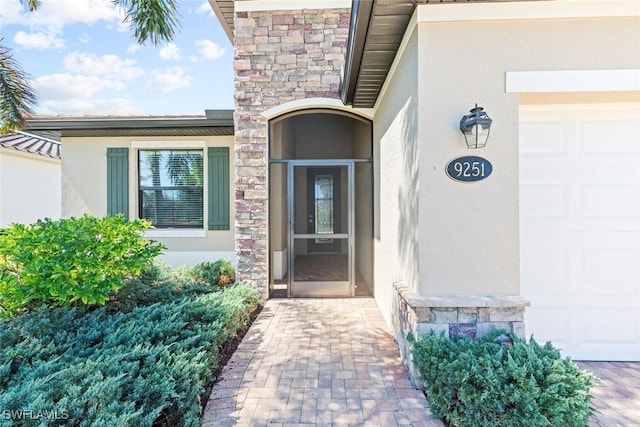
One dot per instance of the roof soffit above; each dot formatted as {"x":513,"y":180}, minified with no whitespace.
{"x":376,"y":32}
{"x":224,"y":10}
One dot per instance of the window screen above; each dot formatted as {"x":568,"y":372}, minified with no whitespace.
{"x":170,"y":188}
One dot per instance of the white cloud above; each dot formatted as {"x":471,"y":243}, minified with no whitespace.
{"x":66,"y":87}
{"x":58,"y":13}
{"x":115,"y":106}
{"x":205,"y":7}
{"x":110,"y":66}
{"x":209,"y":50}
{"x":11,"y":12}
{"x":133,"y":48}
{"x":170,"y":52}
{"x":168,"y":80}
{"x":40,"y":41}
{"x":121,"y":26}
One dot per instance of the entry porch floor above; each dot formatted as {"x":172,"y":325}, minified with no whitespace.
{"x":318,"y":268}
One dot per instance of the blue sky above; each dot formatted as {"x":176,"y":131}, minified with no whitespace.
{"x":84,"y":61}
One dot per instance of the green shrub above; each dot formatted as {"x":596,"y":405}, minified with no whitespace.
{"x":159,"y":283}
{"x":480,"y":383}
{"x":216,"y":274}
{"x":153,"y":285}
{"x":149,"y":366}
{"x":63,"y":261}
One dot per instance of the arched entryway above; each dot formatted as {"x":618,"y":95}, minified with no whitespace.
{"x":320,"y":204}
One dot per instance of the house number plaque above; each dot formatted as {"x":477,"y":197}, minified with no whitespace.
{"x":469,"y":169}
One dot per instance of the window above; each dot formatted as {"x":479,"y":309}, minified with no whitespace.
{"x":171,"y":188}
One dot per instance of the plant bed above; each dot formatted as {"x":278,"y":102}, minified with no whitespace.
{"x":148,"y":357}
{"x":96,"y":333}
{"x":150,"y":366}
{"x":481,"y":382}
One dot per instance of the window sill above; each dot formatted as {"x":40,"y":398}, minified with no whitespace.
{"x":176,"y":233}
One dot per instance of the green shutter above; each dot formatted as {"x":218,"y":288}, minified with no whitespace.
{"x":218,"y":202}
{"x":118,"y":181}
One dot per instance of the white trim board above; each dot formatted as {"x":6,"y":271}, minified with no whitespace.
{"x":572,"y":81}
{"x":556,"y":9}
{"x":594,"y":107}
{"x":168,"y":144}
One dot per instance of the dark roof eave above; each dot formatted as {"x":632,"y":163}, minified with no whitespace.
{"x":358,"y":29}
{"x":219,"y":118}
{"x":226,"y":20}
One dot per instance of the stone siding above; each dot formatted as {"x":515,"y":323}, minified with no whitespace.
{"x":280,"y":56}
{"x":472,"y":316}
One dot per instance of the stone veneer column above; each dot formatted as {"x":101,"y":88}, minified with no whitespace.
{"x":280,"y":56}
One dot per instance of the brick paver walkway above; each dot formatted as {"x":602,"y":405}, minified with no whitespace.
{"x":321,"y":362}
{"x":617,"y":394}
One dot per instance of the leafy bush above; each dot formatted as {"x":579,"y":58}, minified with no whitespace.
{"x":480,"y":383}
{"x":147,"y":367}
{"x":63,"y":261}
{"x":153,"y":285}
{"x":217,"y":274}
{"x":159,"y":283}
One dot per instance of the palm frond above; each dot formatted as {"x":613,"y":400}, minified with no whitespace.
{"x":154,"y":20}
{"x":17,"y":98}
{"x":33,"y":4}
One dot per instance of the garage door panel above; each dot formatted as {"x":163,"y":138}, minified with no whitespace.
{"x":587,"y":334}
{"x":605,"y":331}
{"x":609,"y":137}
{"x":546,"y":200}
{"x":544,"y":139}
{"x":612,"y":200}
{"x":608,"y":327}
{"x":615,"y":267}
{"x":551,"y":324}
{"x":580,"y":228}
{"x":544,"y":266}
{"x":611,"y":203}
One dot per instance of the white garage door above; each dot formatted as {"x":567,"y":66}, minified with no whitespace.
{"x":580,"y":228}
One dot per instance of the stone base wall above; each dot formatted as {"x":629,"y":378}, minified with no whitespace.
{"x":469,"y":315}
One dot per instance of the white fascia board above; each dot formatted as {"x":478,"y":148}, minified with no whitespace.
{"x":549,"y":9}
{"x":573,"y":81}
{"x":168,"y":144}
{"x":264,"y":5}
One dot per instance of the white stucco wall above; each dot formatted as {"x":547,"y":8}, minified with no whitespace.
{"x":84,"y":175}
{"x":443,"y":237}
{"x":396,"y":182}
{"x":29,"y":187}
{"x":469,"y":239}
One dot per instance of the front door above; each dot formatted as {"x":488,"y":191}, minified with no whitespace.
{"x":324,"y":211}
{"x":321,"y":224}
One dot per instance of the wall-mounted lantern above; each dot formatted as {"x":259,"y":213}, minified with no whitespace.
{"x":476,"y":127}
